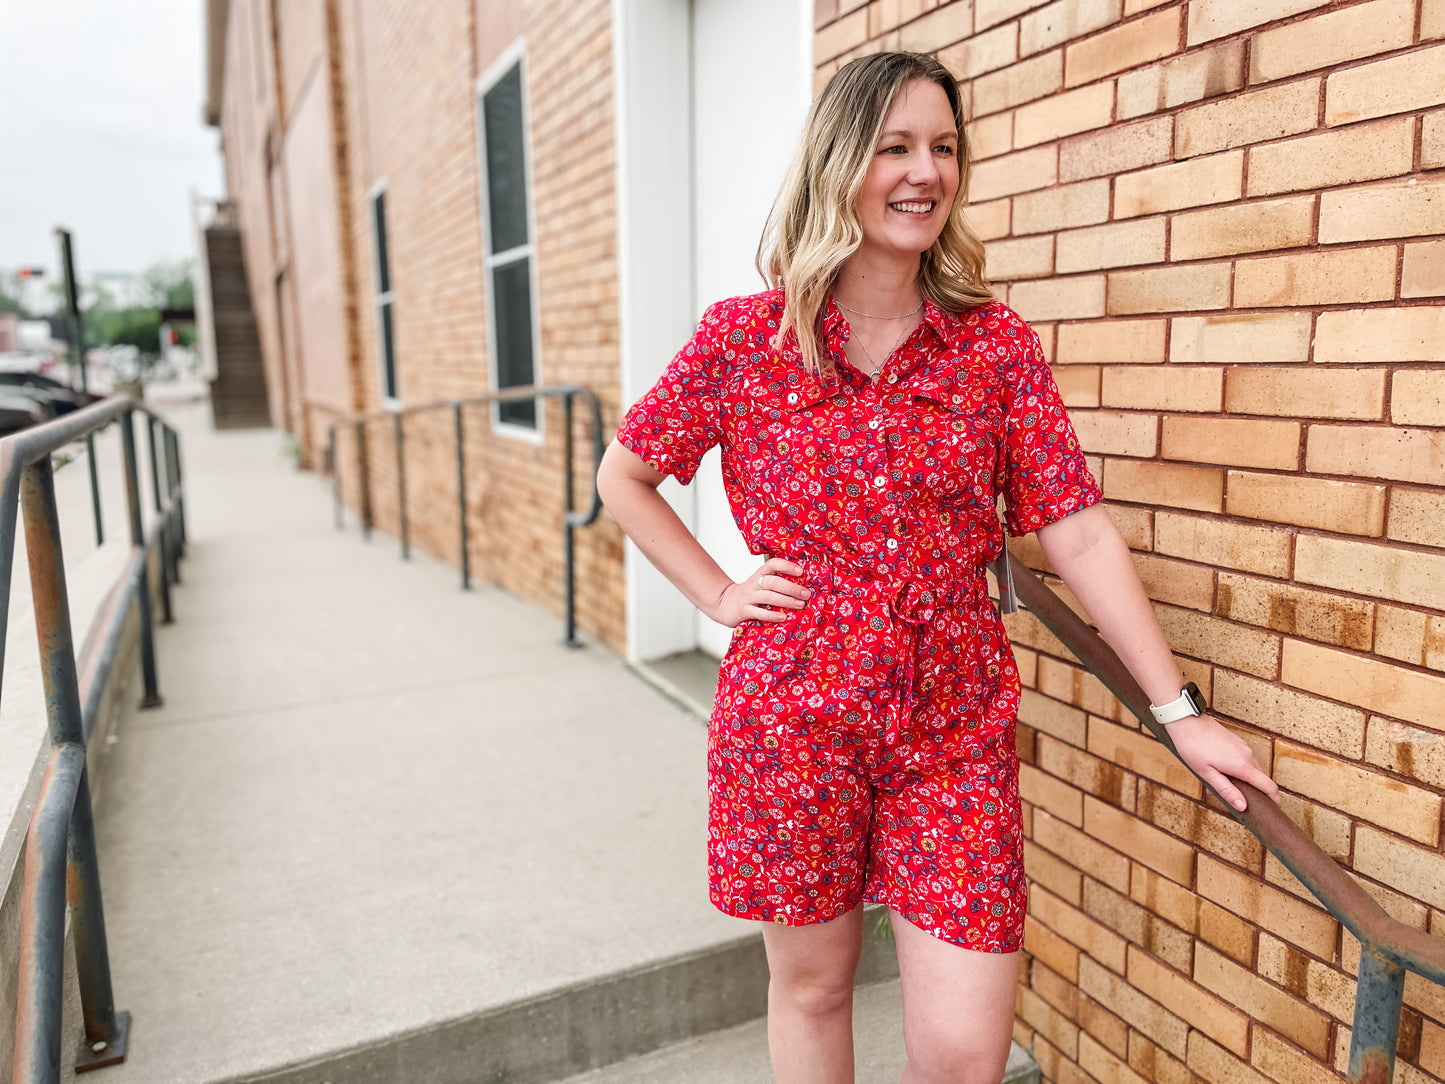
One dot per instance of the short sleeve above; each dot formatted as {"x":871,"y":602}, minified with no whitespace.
{"x":1045,"y":476}
{"x":680,"y":418}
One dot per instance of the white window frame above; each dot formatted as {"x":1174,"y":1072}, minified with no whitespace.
{"x":515,"y":55}
{"x":383,"y":298}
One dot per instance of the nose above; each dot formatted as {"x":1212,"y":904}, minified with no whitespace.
{"x":924,"y":172}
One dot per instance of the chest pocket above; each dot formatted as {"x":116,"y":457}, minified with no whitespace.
{"x":790,"y":441}
{"x":950,"y":437}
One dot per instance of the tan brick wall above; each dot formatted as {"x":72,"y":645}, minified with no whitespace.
{"x":1224,"y":219}
{"x":403,"y":112}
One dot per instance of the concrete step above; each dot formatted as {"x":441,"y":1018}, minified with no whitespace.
{"x":739,"y":1055}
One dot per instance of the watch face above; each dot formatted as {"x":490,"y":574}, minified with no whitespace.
{"x":1196,"y":698}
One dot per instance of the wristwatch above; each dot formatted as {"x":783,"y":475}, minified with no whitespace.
{"x":1190,"y":702}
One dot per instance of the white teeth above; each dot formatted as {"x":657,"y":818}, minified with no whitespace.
{"x":914,"y":208}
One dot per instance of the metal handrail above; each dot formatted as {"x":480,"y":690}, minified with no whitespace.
{"x":1388,"y":948}
{"x":60,"y":857}
{"x":572,"y":517}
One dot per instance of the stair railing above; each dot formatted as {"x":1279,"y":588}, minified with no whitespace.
{"x":1388,"y":948}
{"x":60,"y":854}
{"x":572,"y":516}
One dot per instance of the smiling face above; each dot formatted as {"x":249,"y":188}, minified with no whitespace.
{"x":912,"y":180}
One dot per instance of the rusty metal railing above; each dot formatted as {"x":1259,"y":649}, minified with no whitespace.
{"x":572,"y":517}
{"x":60,"y":854}
{"x":1388,"y":948}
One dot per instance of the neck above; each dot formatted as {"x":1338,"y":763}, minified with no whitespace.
{"x":883,"y":287}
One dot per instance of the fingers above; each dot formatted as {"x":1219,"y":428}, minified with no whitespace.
{"x":774,"y":588}
{"x":1226,"y":790}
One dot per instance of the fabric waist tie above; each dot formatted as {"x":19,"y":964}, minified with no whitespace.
{"x":911,"y":604}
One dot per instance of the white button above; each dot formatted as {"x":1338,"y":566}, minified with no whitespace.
{"x":880,"y":481}
{"x":893,"y":378}
{"x":875,"y":423}
{"x":793,"y":398}
{"x":893,"y":543}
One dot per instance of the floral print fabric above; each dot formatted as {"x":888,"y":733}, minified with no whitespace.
{"x":863,"y":747}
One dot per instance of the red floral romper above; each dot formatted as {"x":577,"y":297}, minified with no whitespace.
{"x":863,"y":748}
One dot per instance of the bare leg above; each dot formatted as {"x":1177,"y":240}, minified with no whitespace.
{"x":958,"y":1008}
{"x":810,"y":999}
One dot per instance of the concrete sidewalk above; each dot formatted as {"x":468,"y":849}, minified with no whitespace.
{"x":373,"y":803}
{"x":386,"y":830}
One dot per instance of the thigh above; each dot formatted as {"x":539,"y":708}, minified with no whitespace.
{"x":958,"y":1004}
{"x":821,"y":957}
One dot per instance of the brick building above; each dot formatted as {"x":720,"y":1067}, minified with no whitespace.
{"x":1222,"y":217}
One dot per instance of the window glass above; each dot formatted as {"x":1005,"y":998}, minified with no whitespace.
{"x":383,"y":272}
{"x":506,"y":171}
{"x":512,"y":304}
{"x":388,"y":356}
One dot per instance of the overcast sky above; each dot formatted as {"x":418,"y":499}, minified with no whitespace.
{"x":100,"y":131}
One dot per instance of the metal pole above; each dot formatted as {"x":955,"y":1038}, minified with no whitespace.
{"x":335,"y":470}
{"x":166,"y":551}
{"x":67,"y":728}
{"x":76,"y":325}
{"x":178,"y":488}
{"x":152,"y":697}
{"x":1378,"y":1000}
{"x":567,"y":529}
{"x":401,"y":484}
{"x":40,"y":983}
{"x":106,"y":1031}
{"x":171,"y":459}
{"x":462,"y":496}
{"x":364,"y":471}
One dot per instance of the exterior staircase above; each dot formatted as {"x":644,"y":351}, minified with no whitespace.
{"x":238,"y":389}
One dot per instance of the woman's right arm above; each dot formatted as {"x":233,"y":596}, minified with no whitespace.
{"x":628,"y":487}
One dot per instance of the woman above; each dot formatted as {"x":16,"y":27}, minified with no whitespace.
{"x":871,"y":408}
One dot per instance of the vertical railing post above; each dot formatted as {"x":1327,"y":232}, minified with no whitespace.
{"x":1379,"y":996}
{"x":332,"y":466}
{"x":177,"y":487}
{"x":105,"y":1030}
{"x":363,"y":470}
{"x":396,"y":422}
{"x":568,"y":531}
{"x":167,"y":551}
{"x":462,"y":496}
{"x":171,"y":460}
{"x":152,"y":697}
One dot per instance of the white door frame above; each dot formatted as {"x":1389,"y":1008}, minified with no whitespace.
{"x":656,"y":242}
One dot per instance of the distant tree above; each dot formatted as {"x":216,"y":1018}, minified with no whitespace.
{"x":11,"y":293}
{"x":170,"y":284}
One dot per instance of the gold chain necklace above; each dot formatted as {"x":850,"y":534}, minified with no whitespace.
{"x":876,"y":368}
{"x":871,"y":316}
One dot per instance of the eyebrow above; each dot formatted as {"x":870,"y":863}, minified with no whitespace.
{"x":949,"y":133}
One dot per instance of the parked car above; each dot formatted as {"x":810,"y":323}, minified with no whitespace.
{"x":62,"y":399}
{"x":19,"y":412}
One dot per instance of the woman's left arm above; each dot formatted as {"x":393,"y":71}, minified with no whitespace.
{"x":1090,"y":557}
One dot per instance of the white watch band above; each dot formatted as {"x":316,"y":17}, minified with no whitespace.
{"x":1187,"y":703}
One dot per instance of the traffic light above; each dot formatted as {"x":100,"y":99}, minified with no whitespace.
{"x":31,"y":272}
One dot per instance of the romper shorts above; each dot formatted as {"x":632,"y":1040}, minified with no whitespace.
{"x":853,"y":755}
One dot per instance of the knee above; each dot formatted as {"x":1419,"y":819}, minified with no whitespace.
{"x":811,"y":993}
{"x":950,"y":1060}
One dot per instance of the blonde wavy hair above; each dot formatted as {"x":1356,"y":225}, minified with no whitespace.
{"x":813,"y":226}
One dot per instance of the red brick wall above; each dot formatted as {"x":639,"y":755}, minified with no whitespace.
{"x":1223,"y":218}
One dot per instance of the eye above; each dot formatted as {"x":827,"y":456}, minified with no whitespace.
{"x":896,"y":148}
{"x":945,"y":148}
